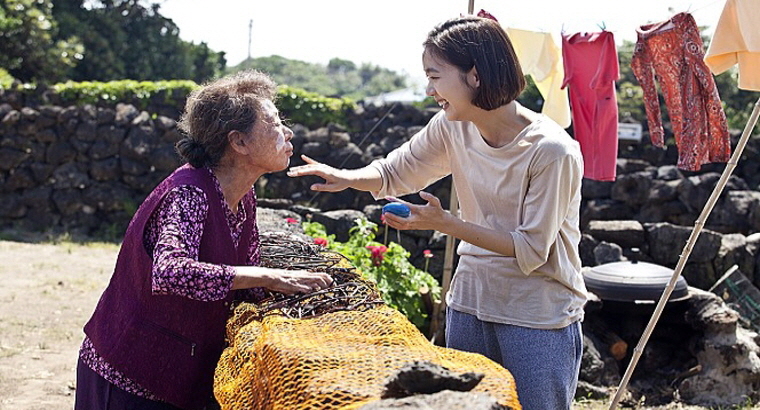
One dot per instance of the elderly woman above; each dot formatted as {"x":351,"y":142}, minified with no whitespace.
{"x":158,"y":330}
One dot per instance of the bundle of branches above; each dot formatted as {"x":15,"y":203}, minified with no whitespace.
{"x":350,"y":291}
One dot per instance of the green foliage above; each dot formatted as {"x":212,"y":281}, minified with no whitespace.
{"x":6,"y":79}
{"x":530,"y":96}
{"x":294,"y":73}
{"x":30,"y":47}
{"x":737,"y":104}
{"x":341,"y":78}
{"x":298,"y":106}
{"x":397,"y":279}
{"x":131,"y":39}
{"x":630,"y":96}
{"x":376,"y":80}
{"x":311,"y":109}
{"x":135,"y":92}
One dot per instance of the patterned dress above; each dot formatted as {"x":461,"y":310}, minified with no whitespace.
{"x":671,"y":53}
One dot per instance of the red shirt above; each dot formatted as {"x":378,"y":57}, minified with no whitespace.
{"x":591,"y":69}
{"x":671,"y":52}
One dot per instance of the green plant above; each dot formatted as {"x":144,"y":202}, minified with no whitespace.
{"x":139,"y":92}
{"x":297,"y":105}
{"x":311,"y":109}
{"x":6,"y":80}
{"x":398,"y":281}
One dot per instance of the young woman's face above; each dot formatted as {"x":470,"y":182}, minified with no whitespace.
{"x":449,"y":86}
{"x":270,"y":140}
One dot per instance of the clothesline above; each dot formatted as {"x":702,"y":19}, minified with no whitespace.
{"x":607,"y":24}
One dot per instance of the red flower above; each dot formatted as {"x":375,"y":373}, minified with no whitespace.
{"x":427,"y":253}
{"x":321,"y":241}
{"x":378,"y":253}
{"x":291,"y":220}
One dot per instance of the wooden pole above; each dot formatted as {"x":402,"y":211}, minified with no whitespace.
{"x":250,"y":36}
{"x":686,"y":251}
{"x":437,"y":324}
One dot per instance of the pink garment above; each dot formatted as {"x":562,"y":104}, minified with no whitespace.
{"x":671,"y":52}
{"x":591,"y":69}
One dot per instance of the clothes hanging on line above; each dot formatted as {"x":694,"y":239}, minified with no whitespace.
{"x":736,"y":40}
{"x":541,"y":58}
{"x":591,"y":69}
{"x":672,"y":53}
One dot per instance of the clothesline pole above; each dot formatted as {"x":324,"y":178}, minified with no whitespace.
{"x":448,"y":257}
{"x":733,"y":161}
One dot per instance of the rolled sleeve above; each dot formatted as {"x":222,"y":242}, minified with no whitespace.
{"x":547,"y":204}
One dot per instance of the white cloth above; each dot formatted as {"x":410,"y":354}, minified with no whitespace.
{"x":540,"y":58}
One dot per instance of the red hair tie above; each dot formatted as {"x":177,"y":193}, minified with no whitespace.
{"x":483,"y":13}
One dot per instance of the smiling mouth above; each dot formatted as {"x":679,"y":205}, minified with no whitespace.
{"x":443,"y":103}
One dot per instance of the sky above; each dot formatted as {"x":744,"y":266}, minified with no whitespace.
{"x":389,"y":33}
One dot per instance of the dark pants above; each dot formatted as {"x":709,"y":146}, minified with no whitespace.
{"x":96,"y":393}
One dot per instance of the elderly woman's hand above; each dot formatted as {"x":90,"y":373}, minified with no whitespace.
{"x":280,"y":280}
{"x":299,"y":281}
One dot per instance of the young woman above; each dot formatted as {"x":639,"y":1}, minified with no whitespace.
{"x":517,"y":295}
{"x":158,"y":330}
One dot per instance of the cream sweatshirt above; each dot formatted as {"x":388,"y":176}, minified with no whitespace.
{"x":529,"y":189}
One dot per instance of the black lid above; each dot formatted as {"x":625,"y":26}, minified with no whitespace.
{"x":632,"y":281}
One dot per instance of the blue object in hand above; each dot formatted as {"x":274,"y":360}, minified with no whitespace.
{"x":397,"y":208}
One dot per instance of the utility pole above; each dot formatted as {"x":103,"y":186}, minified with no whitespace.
{"x":250,"y":34}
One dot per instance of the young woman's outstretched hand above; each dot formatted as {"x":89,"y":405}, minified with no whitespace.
{"x":364,"y":179}
{"x":335,"y":179}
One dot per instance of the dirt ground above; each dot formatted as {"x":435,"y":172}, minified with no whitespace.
{"x":47,"y":292}
{"x":48,"y":289}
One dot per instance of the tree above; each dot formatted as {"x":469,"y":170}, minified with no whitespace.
{"x":340,"y":78}
{"x":530,"y":96}
{"x":630,"y":96}
{"x":130,"y":39}
{"x":206,"y":63}
{"x":30,"y":48}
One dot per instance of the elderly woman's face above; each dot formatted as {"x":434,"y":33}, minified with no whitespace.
{"x":270,"y":140}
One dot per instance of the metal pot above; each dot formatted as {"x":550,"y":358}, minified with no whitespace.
{"x":633,"y":281}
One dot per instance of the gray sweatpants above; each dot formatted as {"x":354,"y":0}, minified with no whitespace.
{"x":544,"y":362}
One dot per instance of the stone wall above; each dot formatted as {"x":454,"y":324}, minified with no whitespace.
{"x":86,"y":169}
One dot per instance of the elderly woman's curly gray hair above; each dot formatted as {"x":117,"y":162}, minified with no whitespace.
{"x":231,"y":103}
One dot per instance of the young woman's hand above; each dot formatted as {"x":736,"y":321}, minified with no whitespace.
{"x":335,"y":179}
{"x":423,"y":217}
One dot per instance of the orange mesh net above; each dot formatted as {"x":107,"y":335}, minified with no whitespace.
{"x":279,"y":358}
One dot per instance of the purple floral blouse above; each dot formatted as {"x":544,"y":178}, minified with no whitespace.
{"x":173,"y":236}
